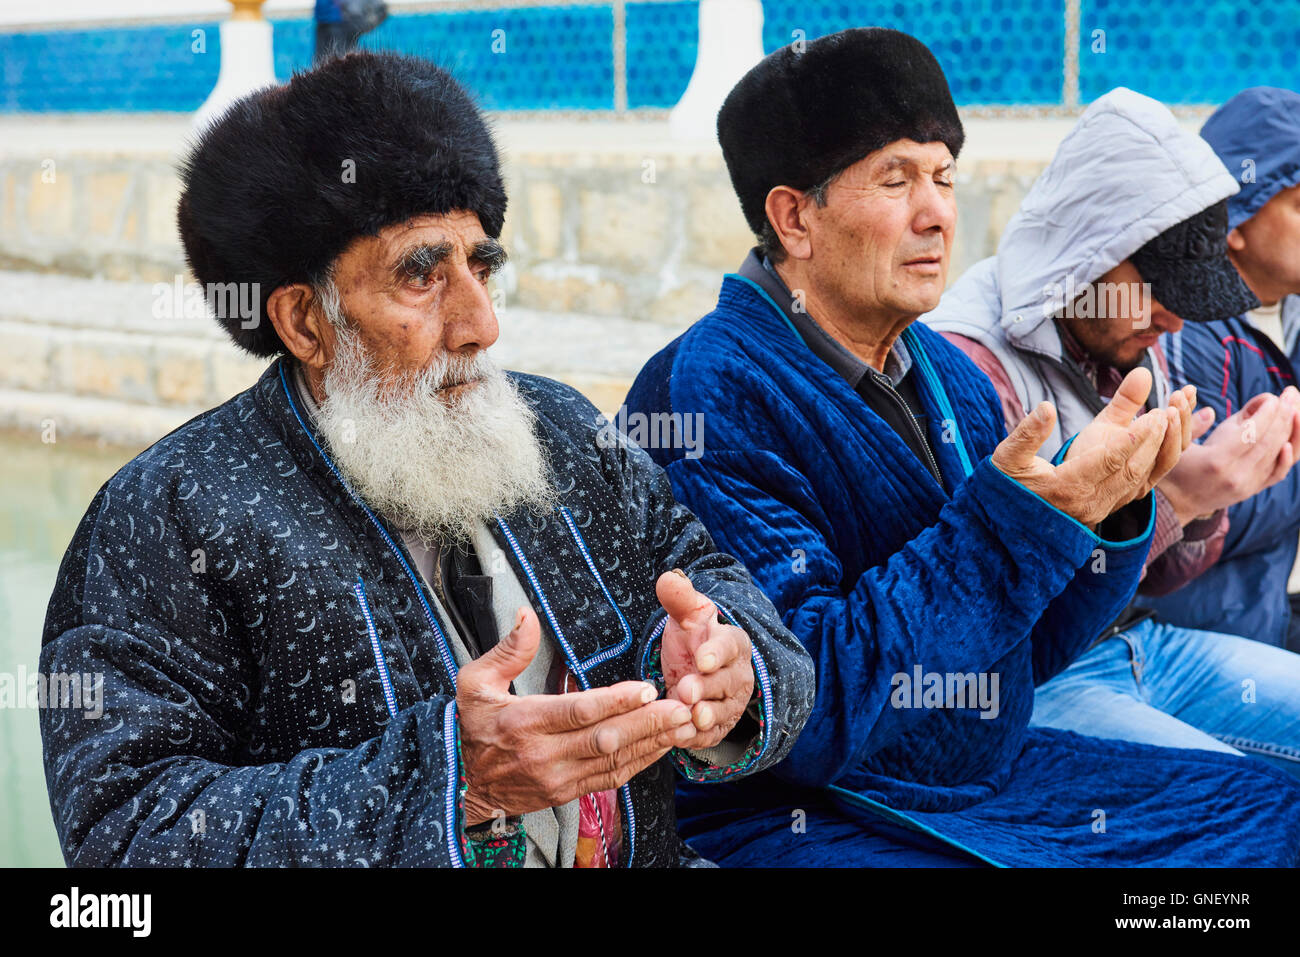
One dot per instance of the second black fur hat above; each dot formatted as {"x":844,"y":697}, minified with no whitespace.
{"x":797,"y":117}
{"x":279,"y":185}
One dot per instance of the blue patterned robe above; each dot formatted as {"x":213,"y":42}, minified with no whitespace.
{"x":278,"y":690}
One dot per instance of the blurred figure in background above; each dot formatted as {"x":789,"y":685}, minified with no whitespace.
{"x":340,"y":24}
{"x":332,"y":36}
{"x":1257,"y":136}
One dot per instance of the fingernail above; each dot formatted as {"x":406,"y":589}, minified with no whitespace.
{"x":694,"y":694}
{"x":684,"y":734}
{"x":648,"y":694}
{"x":681,"y":716}
{"x":706,"y":717}
{"x":678,"y":571}
{"x":708,"y":661}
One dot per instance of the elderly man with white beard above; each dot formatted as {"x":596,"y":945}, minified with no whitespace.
{"x":392,"y":605}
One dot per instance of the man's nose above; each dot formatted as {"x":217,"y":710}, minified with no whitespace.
{"x":935,"y":208}
{"x":470,"y":322}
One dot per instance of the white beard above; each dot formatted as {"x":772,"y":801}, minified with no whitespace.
{"x":435,"y":466}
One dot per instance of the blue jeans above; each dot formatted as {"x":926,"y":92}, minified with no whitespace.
{"x":1160,"y":684}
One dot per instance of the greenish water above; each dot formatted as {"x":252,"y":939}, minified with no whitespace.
{"x":44,"y":491}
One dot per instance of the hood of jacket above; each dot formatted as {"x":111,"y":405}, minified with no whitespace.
{"x":1125,"y":173}
{"x":1257,"y":136}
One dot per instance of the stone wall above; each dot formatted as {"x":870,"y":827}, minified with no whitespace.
{"x":90,"y":214}
{"x":611,"y":252}
{"x":637,"y":235}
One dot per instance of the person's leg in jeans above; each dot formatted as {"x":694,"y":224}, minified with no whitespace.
{"x":1158,"y":684}
{"x":1101,"y":694}
{"x":1244,"y":692}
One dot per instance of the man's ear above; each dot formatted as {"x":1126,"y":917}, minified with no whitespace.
{"x":785,"y":211}
{"x":1236,"y":241}
{"x":302,"y":327}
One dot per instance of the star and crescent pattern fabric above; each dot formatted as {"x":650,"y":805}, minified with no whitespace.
{"x":277,"y":688}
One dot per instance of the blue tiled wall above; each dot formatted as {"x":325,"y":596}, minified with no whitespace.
{"x":1180,"y":53}
{"x":560,"y":57}
{"x":662,"y":41}
{"x":106,"y":69}
{"x":993,"y":51}
{"x":545,"y":57}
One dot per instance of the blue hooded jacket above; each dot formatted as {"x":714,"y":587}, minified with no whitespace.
{"x":1257,"y":136}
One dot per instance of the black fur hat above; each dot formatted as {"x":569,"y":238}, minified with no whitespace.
{"x":796,"y":118}
{"x":280,"y":184}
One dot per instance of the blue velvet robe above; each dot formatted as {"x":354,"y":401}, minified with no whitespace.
{"x":878,"y":569}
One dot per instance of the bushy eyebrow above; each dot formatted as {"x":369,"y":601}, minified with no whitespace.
{"x":422,"y":258}
{"x":490,"y":253}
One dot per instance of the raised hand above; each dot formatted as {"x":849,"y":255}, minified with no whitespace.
{"x":1114,"y":465}
{"x":525,"y":753}
{"x":1127,"y":403}
{"x":1249,"y":452}
{"x":706,"y":664}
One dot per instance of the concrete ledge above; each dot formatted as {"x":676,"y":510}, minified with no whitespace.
{"x":49,"y":417}
{"x":88,"y":355}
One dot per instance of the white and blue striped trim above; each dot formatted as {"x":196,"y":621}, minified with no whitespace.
{"x":650,"y":644}
{"x":764,"y":686}
{"x":381,"y":662}
{"x":599,"y":657}
{"x":545,"y":603}
{"x":451,"y":802}
{"x":443,"y":649}
{"x":448,"y":729}
{"x":625,"y":791}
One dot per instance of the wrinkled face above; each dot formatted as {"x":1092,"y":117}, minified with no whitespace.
{"x":418,"y":292}
{"x":882,"y":242}
{"x":420,"y":420}
{"x":1266,"y":247}
{"x":1120,"y":320}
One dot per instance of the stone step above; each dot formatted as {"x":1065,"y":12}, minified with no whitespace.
{"x":108,"y":359}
